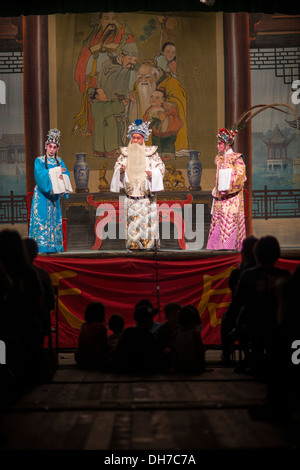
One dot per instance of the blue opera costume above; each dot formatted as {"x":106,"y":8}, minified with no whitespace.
{"x":46,"y":218}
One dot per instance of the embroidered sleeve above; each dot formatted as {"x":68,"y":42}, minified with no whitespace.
{"x":41,"y":175}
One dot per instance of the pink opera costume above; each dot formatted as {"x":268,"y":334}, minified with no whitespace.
{"x":227,"y":229}
{"x":139,"y":173}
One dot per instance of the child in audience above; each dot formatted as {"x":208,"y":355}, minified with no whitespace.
{"x":116,"y":325}
{"x":187,"y":347}
{"x":92,"y":349}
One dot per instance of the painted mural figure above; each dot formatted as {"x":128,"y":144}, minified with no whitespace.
{"x":150,"y":77}
{"x":107,"y":36}
{"x":165,"y":122}
{"x":166,"y":60}
{"x":228,"y":229}
{"x":139,"y":172}
{"x":46,"y":218}
{"x":106,"y":140}
{"x":117,"y":78}
{"x":119,"y":72}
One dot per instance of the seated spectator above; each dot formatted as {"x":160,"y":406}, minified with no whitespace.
{"x":282,"y":371}
{"x":48,"y":299}
{"x":20,"y":326}
{"x":229,"y":318}
{"x":163,"y":333}
{"x":188,"y":354}
{"x":256,"y":298}
{"x":154,"y":311}
{"x":283,"y":377}
{"x":136,"y":351}
{"x":116,"y":325}
{"x":198,"y":323}
{"x":92,"y":349}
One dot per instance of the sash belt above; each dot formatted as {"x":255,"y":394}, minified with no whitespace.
{"x":229,"y":196}
{"x":139,"y":197}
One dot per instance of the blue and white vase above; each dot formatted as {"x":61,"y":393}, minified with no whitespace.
{"x":194,"y":170}
{"x":81,"y":173}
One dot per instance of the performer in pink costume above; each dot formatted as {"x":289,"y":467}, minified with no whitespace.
{"x":228,"y":228}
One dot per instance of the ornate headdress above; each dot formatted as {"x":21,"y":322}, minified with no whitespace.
{"x":228,"y":136}
{"x":53,"y":137}
{"x":139,"y":127}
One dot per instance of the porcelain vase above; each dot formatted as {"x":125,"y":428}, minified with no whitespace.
{"x":194,"y":170}
{"x":81,"y":173}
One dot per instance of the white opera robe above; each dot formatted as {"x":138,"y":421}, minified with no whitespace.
{"x":142,"y":223}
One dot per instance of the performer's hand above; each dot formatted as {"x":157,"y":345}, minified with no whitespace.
{"x":149,"y":174}
{"x":63,"y":170}
{"x":122,"y":169}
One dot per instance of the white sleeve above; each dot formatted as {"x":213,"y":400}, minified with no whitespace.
{"x":58,"y":185}
{"x":224,"y":179}
{"x":67,"y":183}
{"x":116,"y":183}
{"x":157,"y":182}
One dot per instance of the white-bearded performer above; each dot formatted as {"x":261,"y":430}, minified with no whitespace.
{"x":139,"y":172}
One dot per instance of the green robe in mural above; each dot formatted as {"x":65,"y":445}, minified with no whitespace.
{"x":106,"y":140}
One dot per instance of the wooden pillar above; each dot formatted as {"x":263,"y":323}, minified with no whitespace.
{"x":238,"y":88}
{"x":36,"y":90}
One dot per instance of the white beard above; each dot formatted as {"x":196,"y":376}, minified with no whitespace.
{"x":136,"y":168}
{"x":145,"y":90}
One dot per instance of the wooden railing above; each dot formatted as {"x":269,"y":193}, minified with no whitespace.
{"x":266,"y":204}
{"x":13,"y":209}
{"x":275,"y":203}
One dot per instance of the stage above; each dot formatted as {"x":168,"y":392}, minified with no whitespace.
{"x":119,"y":279}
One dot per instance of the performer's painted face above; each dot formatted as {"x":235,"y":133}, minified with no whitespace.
{"x":221,"y":147}
{"x":137,"y":138}
{"x":51,"y":149}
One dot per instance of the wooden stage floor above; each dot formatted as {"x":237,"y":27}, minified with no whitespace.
{"x":286,"y":253}
{"x":89,"y":410}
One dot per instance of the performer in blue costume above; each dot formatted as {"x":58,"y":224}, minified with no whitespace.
{"x":46,"y":219}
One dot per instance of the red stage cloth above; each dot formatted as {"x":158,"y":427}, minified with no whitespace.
{"x":119,"y":283}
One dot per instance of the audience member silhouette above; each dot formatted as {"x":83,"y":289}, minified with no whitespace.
{"x":92,"y":348}
{"x":116,"y":325}
{"x":48,"y":290}
{"x":136,"y":351}
{"x":20,"y":325}
{"x":154,"y":311}
{"x":188,"y":354}
{"x":198,"y":323}
{"x":229,"y":318}
{"x":283,"y":377}
{"x":257,"y":301}
{"x":163,"y":333}
{"x":6,"y":288}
